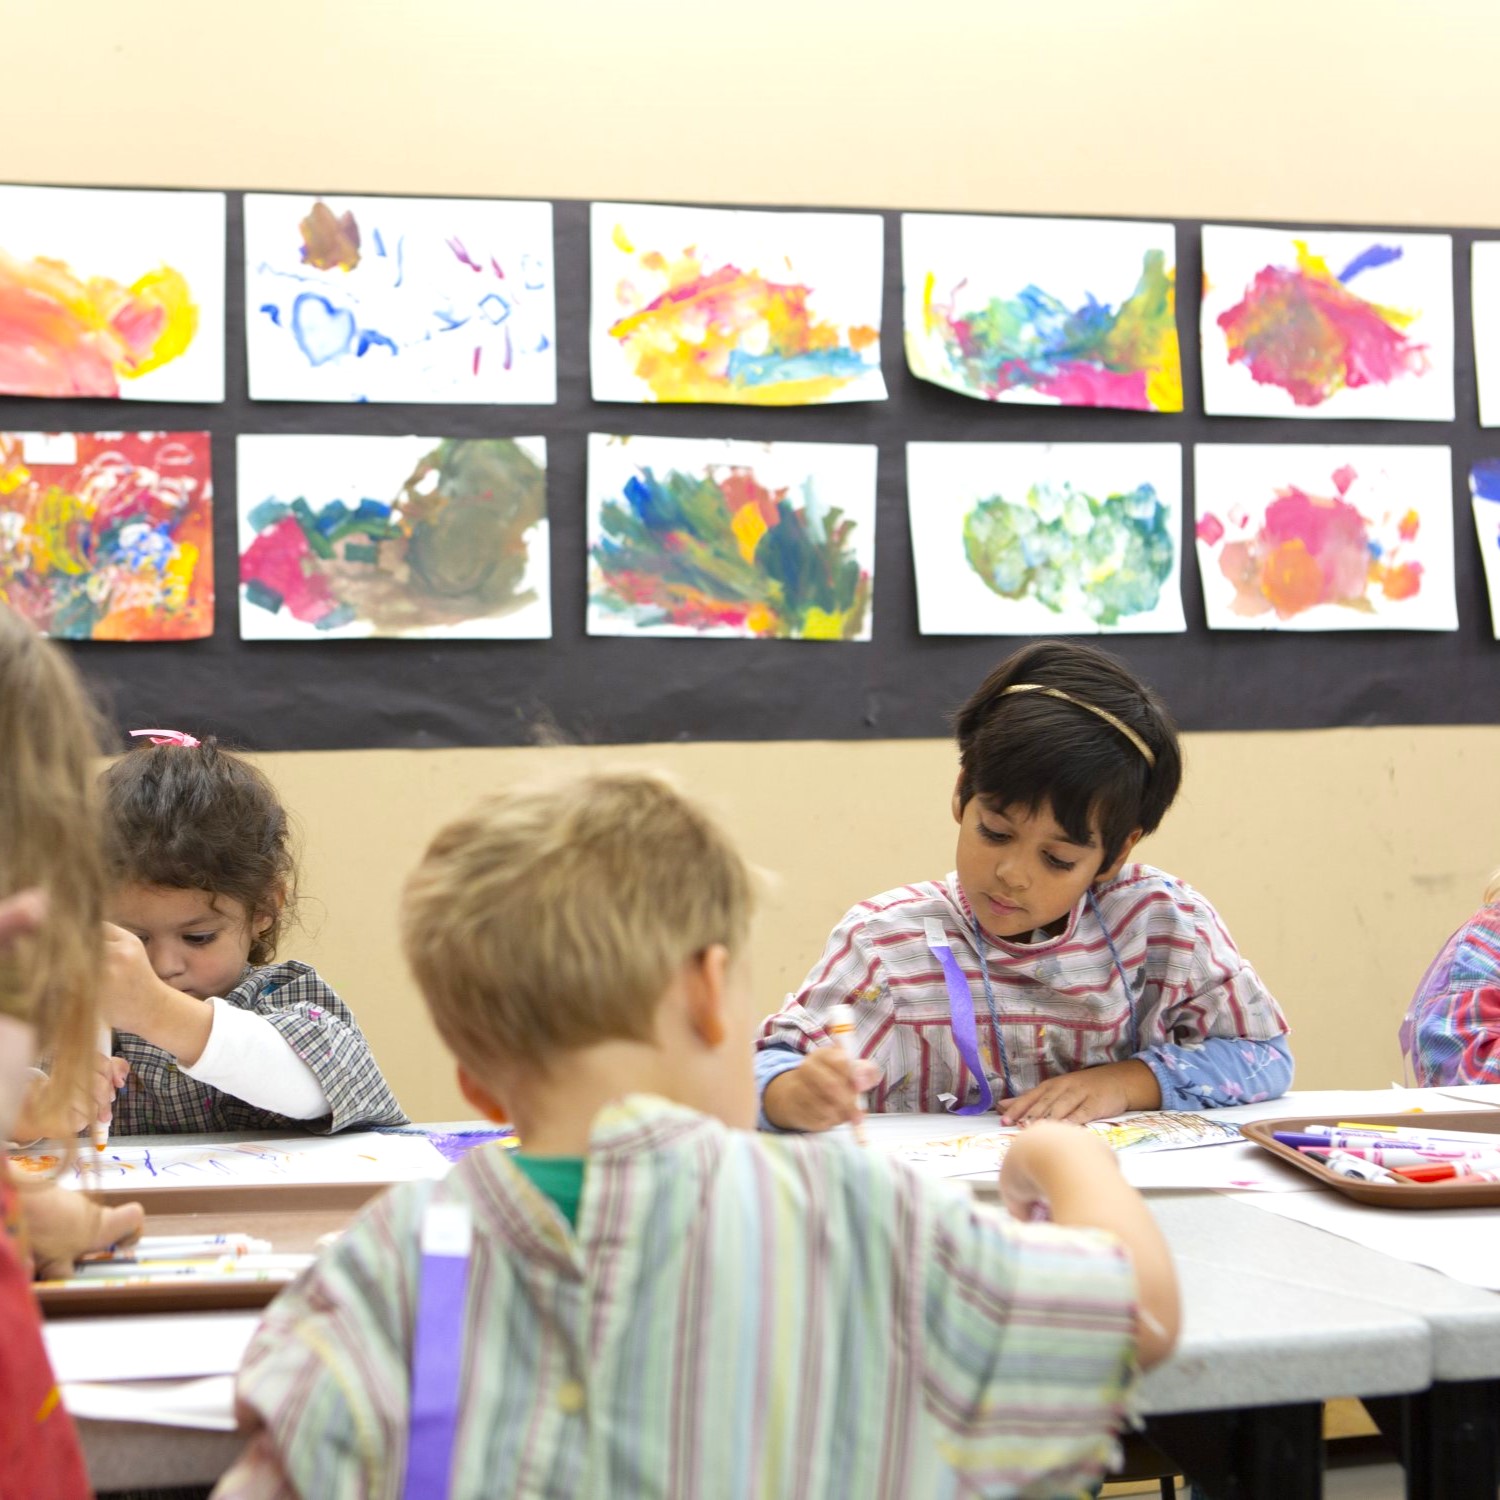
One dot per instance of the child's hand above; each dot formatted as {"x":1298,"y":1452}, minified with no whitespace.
{"x":133,"y":995}
{"x":62,"y":1224}
{"x":1038,"y":1158}
{"x":38,"y":1116}
{"x":820,"y":1092}
{"x":1089,"y":1094}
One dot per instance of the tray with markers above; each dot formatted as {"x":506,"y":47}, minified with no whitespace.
{"x":1448,"y":1159}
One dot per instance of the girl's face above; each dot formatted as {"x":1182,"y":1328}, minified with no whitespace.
{"x":197,"y":943}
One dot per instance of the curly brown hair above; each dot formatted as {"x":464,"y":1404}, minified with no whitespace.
{"x":201,"y":818}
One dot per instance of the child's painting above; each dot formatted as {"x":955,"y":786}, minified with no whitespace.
{"x":108,"y":536}
{"x":1046,"y":538}
{"x":1339,"y":537}
{"x":1064,"y":312}
{"x":1484,"y":485}
{"x":399,"y":299}
{"x":1327,"y":324}
{"x":702,"y":537}
{"x":109,"y":293}
{"x":732,"y":306}
{"x":1485,"y":295}
{"x":424,"y":537}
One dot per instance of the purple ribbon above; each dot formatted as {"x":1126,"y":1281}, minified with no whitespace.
{"x":961,"y":1018}
{"x":437,"y":1355}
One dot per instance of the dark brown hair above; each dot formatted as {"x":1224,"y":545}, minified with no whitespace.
{"x":200,"y":818}
{"x":1024,"y":749}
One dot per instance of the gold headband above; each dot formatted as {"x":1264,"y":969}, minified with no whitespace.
{"x":1093,"y":708}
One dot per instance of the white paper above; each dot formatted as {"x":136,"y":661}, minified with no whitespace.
{"x":1083,"y":538}
{"x":123,"y":237}
{"x":752,"y":308}
{"x":364,"y":1156}
{"x":1393,"y":319}
{"x":652,"y":574}
{"x":206,"y":1404}
{"x":1325,"y":537}
{"x":1238,"y":1167}
{"x":1050,"y":276}
{"x":449,"y":300}
{"x":1485,"y":297}
{"x":390,"y":598}
{"x":1487,"y":531}
{"x":155,"y":1346}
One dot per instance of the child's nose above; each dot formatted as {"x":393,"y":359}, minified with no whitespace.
{"x":169,"y":960}
{"x":1010,"y":869}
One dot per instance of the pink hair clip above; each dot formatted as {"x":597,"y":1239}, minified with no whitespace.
{"x":166,"y":737}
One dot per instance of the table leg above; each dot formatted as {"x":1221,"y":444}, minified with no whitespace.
{"x":1447,"y":1438}
{"x":1246,"y":1454}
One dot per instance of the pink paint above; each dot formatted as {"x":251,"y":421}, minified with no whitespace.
{"x":1079,"y":385}
{"x":456,"y":245}
{"x":1343,"y":478}
{"x":1210,"y":530}
{"x":279,"y":559}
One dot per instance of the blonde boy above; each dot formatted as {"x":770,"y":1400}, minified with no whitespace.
{"x":653,"y":1300}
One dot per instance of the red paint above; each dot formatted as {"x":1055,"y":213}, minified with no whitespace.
{"x":280,"y":559}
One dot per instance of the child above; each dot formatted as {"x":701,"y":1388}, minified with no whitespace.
{"x":217,"y":1035}
{"x":1452,"y":1028}
{"x":654,"y":1300}
{"x":1045,"y":973}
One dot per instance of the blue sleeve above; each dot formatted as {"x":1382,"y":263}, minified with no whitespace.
{"x":771,"y":1062}
{"x":1220,"y":1071}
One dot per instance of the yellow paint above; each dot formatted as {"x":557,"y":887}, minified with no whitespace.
{"x":622,"y":240}
{"x":748,"y":526}
{"x":168,"y":290}
{"x":929,"y":318}
{"x":823,"y":625}
{"x":761,"y":620}
{"x":56,"y":519}
{"x":48,"y":1406}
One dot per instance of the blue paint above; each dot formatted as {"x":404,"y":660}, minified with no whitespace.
{"x":323,"y":331}
{"x":494,"y":307}
{"x":273,"y":312}
{"x":370,"y":339}
{"x":1484,"y":479}
{"x":379,"y":243}
{"x":400,"y":259}
{"x":268,"y":513}
{"x":543,"y":344}
{"x":373,"y":512}
{"x":533,"y":273}
{"x":1375,"y":549}
{"x":149,"y":1164}
{"x":1368,"y":260}
{"x":332,"y":516}
{"x":772,"y":369}
{"x":449,"y":320}
{"x":341,"y":615}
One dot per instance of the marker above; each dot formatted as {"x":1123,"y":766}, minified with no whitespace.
{"x":141,"y":1253}
{"x":1343,"y":1165}
{"x":1449,"y":1171}
{"x":1411,"y":1140}
{"x":224,"y":1265}
{"x":106,"y":1044}
{"x":1404,"y":1156}
{"x":1489,"y":1138}
{"x":841,"y":1029}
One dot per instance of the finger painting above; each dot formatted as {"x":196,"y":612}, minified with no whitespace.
{"x":1485,"y":296}
{"x":1327,"y":324}
{"x":348,"y":537}
{"x":1046,"y":538}
{"x":729,"y":306}
{"x":1317,"y":537}
{"x":111,"y":294}
{"x":1062,"y":312}
{"x":701,"y":537}
{"x":399,"y":299}
{"x":1484,"y":486}
{"x":108,"y":536}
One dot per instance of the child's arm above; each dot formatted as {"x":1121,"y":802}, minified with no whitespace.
{"x":1454,"y":1020}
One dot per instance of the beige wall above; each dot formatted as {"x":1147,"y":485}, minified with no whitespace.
{"x":1340,"y":860}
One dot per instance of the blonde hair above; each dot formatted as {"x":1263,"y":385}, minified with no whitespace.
{"x":50,"y":735}
{"x":556,"y":915}
{"x":1492,"y":890}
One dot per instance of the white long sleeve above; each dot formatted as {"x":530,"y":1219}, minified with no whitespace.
{"x":247,"y":1057}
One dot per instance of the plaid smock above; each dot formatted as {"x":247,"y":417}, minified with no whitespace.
{"x":1452,"y":1030}
{"x":159,"y":1098}
{"x":737,"y":1317}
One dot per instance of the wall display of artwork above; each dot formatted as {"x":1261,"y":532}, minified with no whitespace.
{"x":1484,"y":489}
{"x":426,"y":537}
{"x":1325,"y":323}
{"x":1070,"y":312}
{"x":399,"y":299}
{"x":108,"y":536}
{"x":107,"y":293}
{"x":1484,"y":295}
{"x":725,"y":305}
{"x":1046,"y":538}
{"x":706,"y":537}
{"x":1325,"y":537}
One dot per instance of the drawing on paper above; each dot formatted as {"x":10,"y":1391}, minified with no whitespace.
{"x":702,"y":537}
{"x":399,"y":299}
{"x":108,"y":536}
{"x":1073,"y":312}
{"x":1327,"y":324}
{"x":1032,"y":538}
{"x":1325,"y":538}
{"x":378,"y":536}
{"x":111,"y":294}
{"x":1163,"y":1130}
{"x":1484,"y":487}
{"x":720,"y":305}
{"x":1485,"y":299}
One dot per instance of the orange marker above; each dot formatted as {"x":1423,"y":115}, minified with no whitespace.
{"x":841,"y":1029}
{"x":101,"y":1127}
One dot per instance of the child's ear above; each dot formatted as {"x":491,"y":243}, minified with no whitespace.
{"x":481,"y":1098}
{"x":707,"y":981}
{"x":1131,"y":840}
{"x":275,"y":900}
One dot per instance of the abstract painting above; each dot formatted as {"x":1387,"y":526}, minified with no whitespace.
{"x":702,"y":537}
{"x":1325,"y":537}
{"x":1486,"y":299}
{"x":399,"y":299}
{"x":1066,"y":312}
{"x":108,"y":536}
{"x":1327,"y":324}
{"x":425,"y":537}
{"x":1484,"y":486}
{"x":1046,"y":538}
{"x":730,"y":306}
{"x":111,"y":294}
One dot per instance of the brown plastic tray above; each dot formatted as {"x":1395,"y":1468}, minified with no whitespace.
{"x":1456,"y":1194}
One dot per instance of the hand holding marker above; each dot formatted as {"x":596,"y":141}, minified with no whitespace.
{"x":101,"y":1127}
{"x":841,"y":1029}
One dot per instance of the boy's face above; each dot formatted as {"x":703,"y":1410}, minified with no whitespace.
{"x":1020,"y":870}
{"x":197,"y":943}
